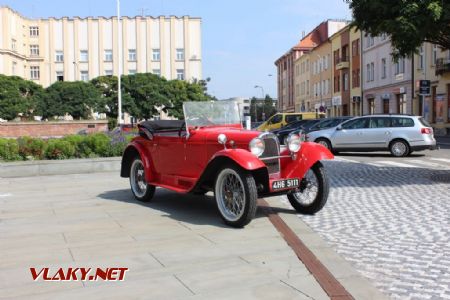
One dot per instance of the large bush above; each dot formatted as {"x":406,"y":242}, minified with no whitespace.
{"x":9,"y":149}
{"x":72,"y":146}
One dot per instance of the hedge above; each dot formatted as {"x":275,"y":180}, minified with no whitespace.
{"x":71,"y":146}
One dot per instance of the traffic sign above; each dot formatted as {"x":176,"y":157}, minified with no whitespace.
{"x":424,"y":87}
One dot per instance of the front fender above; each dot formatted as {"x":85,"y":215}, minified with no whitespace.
{"x":309,"y":154}
{"x":242,"y":157}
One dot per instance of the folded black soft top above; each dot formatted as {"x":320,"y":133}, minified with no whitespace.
{"x":162,"y":125}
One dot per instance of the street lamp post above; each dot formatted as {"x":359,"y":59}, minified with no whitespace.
{"x":263,"y":97}
{"x":119,"y":83}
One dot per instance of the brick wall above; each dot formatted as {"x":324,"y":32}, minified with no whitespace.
{"x":50,"y":129}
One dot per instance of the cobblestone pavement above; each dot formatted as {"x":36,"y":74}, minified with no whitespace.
{"x":391,"y":220}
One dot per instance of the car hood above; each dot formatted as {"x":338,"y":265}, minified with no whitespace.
{"x":323,"y":132}
{"x":238,"y":135}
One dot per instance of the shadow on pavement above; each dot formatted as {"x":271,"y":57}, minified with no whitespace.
{"x":192,"y":209}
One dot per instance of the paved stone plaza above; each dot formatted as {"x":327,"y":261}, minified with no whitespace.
{"x":391,"y":219}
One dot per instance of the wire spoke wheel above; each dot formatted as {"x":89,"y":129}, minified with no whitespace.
{"x":139,"y":186}
{"x":308,"y":190}
{"x":236,"y":194}
{"x":312,"y":194}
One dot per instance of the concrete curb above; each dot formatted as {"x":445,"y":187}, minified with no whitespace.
{"x":59,"y":167}
{"x":354,"y":282}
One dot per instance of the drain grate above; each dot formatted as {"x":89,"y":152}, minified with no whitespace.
{"x":445,"y":178}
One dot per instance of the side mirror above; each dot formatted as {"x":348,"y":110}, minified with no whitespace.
{"x":339,"y":128}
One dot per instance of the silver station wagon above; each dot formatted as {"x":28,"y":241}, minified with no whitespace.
{"x":399,"y":134}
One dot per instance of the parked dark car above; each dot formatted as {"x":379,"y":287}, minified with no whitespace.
{"x":290,"y":126}
{"x":327,"y":123}
{"x":306,"y":125}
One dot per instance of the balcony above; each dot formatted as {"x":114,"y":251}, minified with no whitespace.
{"x":342,"y":63}
{"x":442,"y":66}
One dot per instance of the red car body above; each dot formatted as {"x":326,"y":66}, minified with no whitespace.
{"x":238,"y":165}
{"x":177,"y":163}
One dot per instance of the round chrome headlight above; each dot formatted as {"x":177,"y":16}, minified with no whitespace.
{"x":257,"y":146}
{"x":222,"y":139}
{"x":294,"y":142}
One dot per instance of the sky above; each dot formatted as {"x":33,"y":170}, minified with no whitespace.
{"x":241,"y":39}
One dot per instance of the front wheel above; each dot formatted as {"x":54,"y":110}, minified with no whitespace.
{"x":142,"y":191}
{"x":312,"y":194}
{"x":236,"y":194}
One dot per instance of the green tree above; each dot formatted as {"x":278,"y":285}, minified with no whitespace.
{"x":148,"y":92}
{"x":18,"y":97}
{"x":108,"y":102}
{"x":262,"y":107}
{"x":408,"y":23}
{"x":181,"y":91}
{"x":76,"y":98}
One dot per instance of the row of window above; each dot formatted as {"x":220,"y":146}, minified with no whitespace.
{"x":399,"y":68}
{"x":84,"y":75}
{"x":378,"y":122}
{"x":108,"y":54}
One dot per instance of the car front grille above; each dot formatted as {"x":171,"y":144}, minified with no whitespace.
{"x":272,"y":149}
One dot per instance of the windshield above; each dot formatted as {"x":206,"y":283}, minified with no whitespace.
{"x":211,"y":113}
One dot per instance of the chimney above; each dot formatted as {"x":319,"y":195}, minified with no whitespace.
{"x":303,"y":34}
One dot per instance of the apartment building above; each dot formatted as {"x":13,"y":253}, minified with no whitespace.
{"x":286,"y":63}
{"x":388,"y":85}
{"x":302,"y":81}
{"x":432,"y":63}
{"x":346,"y":98}
{"x":69,"y":49}
{"x":321,"y":78}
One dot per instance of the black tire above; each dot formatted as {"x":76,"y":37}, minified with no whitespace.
{"x":245,"y":183}
{"x":316,"y":204}
{"x":141,"y":190}
{"x":324,"y":142}
{"x":399,"y":148}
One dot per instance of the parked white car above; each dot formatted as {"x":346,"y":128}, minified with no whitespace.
{"x":399,"y":134}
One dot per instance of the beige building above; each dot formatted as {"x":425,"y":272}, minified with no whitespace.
{"x":321,"y":78}
{"x":431,"y":63}
{"x":302,"y":80}
{"x":47,"y":50}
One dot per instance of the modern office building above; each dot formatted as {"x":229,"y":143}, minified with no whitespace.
{"x":47,"y":50}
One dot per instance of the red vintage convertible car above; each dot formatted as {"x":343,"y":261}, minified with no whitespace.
{"x":210,"y":151}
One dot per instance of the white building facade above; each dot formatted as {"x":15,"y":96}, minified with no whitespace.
{"x":69,"y":49}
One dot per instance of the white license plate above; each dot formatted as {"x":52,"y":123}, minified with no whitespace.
{"x":285,"y":184}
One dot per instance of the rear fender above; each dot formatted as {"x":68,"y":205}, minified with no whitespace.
{"x":308,"y":156}
{"x":132,"y":150}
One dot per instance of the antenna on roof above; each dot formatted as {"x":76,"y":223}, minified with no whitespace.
{"x":303,"y":34}
{"x":143,"y":11}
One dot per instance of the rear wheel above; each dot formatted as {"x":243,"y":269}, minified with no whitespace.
{"x":236,"y":194}
{"x":142,"y":191}
{"x":399,"y":148}
{"x":324,"y":142}
{"x":312,"y":194}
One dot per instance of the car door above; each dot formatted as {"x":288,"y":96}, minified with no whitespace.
{"x":350,"y":135}
{"x":379,"y":132}
{"x":170,"y":153}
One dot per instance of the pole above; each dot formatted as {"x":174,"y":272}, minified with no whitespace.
{"x":119,"y":83}
{"x":320,"y":80}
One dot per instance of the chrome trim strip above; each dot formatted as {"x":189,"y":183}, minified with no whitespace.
{"x":273,"y":157}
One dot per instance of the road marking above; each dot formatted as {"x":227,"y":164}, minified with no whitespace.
{"x":345,"y":160}
{"x":427,"y":163}
{"x":441,"y":159}
{"x":396,"y":164}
